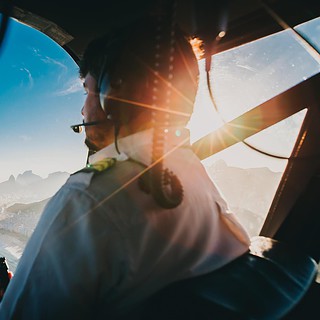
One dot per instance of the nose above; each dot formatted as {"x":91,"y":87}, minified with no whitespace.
{"x":82,"y":110}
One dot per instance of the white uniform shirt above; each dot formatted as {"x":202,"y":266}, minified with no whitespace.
{"x":102,"y":245}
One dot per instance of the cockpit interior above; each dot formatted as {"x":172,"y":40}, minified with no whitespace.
{"x":256,"y":128}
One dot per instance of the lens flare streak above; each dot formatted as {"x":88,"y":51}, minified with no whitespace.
{"x":148,"y":106}
{"x":122,"y":187}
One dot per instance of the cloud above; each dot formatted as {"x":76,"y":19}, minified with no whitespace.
{"x":47,"y":59}
{"x":73,"y":86}
{"x":29,"y":76}
{"x":54,"y":61}
{"x":36,"y":51}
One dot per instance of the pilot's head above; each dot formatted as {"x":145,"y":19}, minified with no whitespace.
{"x":133,"y":73}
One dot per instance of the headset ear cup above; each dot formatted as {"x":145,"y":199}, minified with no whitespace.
{"x":104,"y":87}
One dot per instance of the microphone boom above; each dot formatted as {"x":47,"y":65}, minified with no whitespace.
{"x":77,"y":128}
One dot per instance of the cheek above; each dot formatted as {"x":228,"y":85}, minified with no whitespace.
{"x":91,"y":110}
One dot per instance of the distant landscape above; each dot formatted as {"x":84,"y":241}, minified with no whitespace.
{"x":22,"y":200}
{"x":249,"y":193}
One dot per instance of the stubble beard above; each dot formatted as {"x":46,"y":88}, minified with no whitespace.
{"x":91,"y":146}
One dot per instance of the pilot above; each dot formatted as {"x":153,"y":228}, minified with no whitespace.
{"x":143,"y":213}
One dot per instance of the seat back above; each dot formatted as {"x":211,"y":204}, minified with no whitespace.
{"x":265,"y":283}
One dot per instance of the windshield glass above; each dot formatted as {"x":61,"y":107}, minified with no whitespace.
{"x":241,"y":79}
{"x":41,"y":97}
{"x":310,"y":31}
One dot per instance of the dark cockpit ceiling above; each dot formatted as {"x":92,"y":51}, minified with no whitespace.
{"x":73,"y":23}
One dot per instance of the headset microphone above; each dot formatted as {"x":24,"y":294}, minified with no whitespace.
{"x":77,"y":128}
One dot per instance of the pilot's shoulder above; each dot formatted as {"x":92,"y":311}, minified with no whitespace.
{"x":84,"y":176}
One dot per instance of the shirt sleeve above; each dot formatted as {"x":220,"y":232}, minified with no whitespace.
{"x":65,"y":262}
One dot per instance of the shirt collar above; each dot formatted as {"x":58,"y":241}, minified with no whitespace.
{"x":138,"y":146}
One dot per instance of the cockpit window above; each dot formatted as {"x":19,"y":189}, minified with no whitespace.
{"x":249,"y":75}
{"x":40,"y":98}
{"x":241,"y":79}
{"x":249,"y":179}
{"x":310,"y":31}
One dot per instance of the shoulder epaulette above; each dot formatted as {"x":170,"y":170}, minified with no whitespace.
{"x":99,"y":166}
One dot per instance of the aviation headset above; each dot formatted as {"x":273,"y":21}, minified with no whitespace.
{"x":164,"y":186}
{"x":105,"y":79}
{"x":109,"y":59}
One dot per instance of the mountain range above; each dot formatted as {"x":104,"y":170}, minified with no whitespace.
{"x":248,"y":192}
{"x":29,"y":187}
{"x":252,"y":189}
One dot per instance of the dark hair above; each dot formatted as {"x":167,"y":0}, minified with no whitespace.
{"x":132,"y":50}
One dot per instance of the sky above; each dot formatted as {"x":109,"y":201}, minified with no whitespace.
{"x":41,"y":96}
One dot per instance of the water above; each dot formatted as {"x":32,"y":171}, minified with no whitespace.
{"x":11,"y":247}
{"x":12,"y":261}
